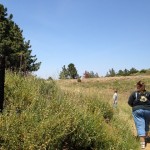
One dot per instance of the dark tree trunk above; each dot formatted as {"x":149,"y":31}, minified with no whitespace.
{"x":2,"y":81}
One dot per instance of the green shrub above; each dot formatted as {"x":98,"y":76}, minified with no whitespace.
{"x":38,"y":115}
{"x":78,"y":80}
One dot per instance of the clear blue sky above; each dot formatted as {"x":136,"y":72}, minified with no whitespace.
{"x":94,"y":35}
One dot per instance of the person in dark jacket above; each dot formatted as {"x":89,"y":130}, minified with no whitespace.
{"x":139,"y":100}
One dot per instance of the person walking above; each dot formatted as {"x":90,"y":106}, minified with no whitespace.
{"x":139,"y":100}
{"x":115,"y":99}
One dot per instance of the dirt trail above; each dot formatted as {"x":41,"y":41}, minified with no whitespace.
{"x":135,"y":133}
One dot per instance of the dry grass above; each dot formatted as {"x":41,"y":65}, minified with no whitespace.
{"x":104,"y":87}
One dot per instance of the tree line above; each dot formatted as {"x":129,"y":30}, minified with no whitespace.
{"x":124,"y":72}
{"x":71,"y":72}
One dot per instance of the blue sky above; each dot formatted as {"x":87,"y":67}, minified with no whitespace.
{"x":94,"y":35}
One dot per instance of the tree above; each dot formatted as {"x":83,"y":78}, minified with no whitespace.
{"x":126,"y":72}
{"x":120,"y":73}
{"x":96,"y":75}
{"x":86,"y":74}
{"x":143,"y":71}
{"x":69,"y":73}
{"x":50,"y":78}
{"x":90,"y":74}
{"x":72,"y":71}
{"x":133,"y":70}
{"x":64,"y":73}
{"x":13,"y":45}
{"x":111,"y":73}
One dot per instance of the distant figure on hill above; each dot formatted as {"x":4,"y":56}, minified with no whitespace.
{"x":139,"y":100}
{"x":115,"y":99}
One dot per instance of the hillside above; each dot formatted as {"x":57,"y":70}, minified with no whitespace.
{"x":104,"y":87}
{"x":67,"y":115}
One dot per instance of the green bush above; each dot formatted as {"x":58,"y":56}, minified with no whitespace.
{"x":38,"y":115}
{"x":78,"y":80}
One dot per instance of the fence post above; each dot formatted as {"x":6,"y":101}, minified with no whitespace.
{"x":2,"y":80}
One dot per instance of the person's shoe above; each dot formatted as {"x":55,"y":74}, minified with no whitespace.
{"x":142,"y":145}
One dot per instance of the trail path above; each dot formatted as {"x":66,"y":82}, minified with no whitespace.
{"x":132,"y":125}
{"x":148,"y":141}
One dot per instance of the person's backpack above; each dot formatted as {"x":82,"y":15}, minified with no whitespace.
{"x":143,"y":98}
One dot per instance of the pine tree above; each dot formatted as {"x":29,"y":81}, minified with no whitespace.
{"x":69,"y":73}
{"x":13,"y":45}
{"x":64,"y":73}
{"x":72,"y":71}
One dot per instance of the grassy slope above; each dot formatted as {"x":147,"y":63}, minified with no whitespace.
{"x":66,"y":114}
{"x":104,"y":88}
